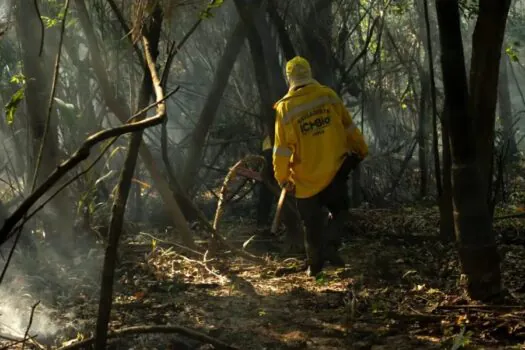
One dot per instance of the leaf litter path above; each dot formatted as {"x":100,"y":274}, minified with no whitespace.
{"x":398,"y":291}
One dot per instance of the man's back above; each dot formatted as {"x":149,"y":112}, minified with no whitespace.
{"x":311,"y":124}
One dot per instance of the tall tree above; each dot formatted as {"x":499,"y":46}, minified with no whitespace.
{"x":505,"y":109}
{"x":38,"y":53}
{"x":151,"y":37}
{"x":471,"y":136}
{"x":207,"y":116}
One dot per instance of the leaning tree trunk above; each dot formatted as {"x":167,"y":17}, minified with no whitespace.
{"x":220,"y":81}
{"x":476,"y":241}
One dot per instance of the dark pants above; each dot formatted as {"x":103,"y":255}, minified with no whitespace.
{"x":321,"y":244}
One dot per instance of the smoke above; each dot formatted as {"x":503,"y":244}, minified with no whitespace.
{"x":15,"y":313}
{"x":6,"y":11}
{"x":44,"y":274}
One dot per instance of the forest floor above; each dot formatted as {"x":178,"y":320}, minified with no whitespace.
{"x":399,"y":290}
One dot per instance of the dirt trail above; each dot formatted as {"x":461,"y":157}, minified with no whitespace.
{"x":398,"y":291}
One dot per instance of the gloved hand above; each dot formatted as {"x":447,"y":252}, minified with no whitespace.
{"x":351,"y":162}
{"x":288,"y":185}
{"x":354,"y":160}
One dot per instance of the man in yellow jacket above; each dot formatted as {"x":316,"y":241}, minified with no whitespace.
{"x":316,"y":146}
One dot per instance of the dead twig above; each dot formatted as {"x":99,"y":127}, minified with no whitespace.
{"x":134,"y":330}
{"x":30,"y":323}
{"x":171,"y":243}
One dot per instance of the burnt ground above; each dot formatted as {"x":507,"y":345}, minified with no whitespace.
{"x":400,"y":290}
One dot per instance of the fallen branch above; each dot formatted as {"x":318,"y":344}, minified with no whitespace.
{"x":171,"y":243}
{"x":510,"y":216}
{"x":484,"y":307}
{"x":135,"y":330}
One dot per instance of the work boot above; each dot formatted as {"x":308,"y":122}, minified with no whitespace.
{"x":335,"y":230}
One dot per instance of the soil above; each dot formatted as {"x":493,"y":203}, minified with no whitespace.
{"x":400,"y":289}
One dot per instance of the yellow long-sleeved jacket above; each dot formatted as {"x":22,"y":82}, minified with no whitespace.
{"x":313,"y":132}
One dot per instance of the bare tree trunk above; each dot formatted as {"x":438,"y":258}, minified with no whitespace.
{"x":120,"y":108}
{"x":284,"y":38}
{"x":446,"y":208}
{"x":220,"y":81}
{"x":124,"y":185}
{"x":505,"y":109}
{"x":38,"y":72}
{"x":422,"y":133}
{"x":246,"y":13}
{"x":487,"y":42}
{"x":316,"y":32}
{"x":424,"y":97}
{"x":476,"y":241}
{"x":278,"y":85}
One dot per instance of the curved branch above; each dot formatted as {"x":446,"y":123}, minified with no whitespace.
{"x":81,"y":154}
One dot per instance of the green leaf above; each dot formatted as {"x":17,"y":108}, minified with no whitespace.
{"x":512,"y":53}
{"x":18,"y":78}
{"x":49,"y":22}
{"x":206,"y":13}
{"x":12,"y":105}
{"x":215,"y":4}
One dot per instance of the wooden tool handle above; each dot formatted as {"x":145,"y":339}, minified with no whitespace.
{"x":275,"y":223}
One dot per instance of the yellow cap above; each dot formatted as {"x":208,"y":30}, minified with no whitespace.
{"x":298,"y":72}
